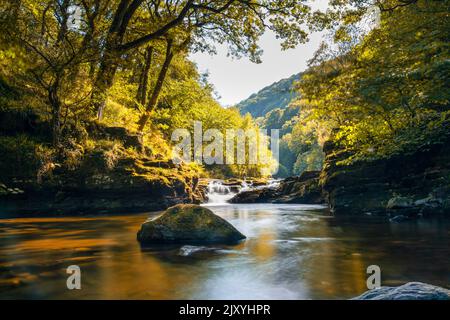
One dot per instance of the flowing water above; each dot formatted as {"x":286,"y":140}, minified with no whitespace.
{"x":219,"y":194}
{"x":291,"y":252}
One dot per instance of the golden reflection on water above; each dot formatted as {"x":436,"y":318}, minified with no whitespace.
{"x":144,"y":276}
{"x":50,"y":220}
{"x":285,"y":255}
{"x":264,"y":248}
{"x":63,"y":244}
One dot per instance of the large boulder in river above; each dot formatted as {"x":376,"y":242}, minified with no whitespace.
{"x":187,"y":223}
{"x":409,"y":291}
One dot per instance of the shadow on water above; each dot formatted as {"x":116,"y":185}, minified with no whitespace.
{"x":291,"y":252}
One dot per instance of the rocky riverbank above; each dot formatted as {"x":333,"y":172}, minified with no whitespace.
{"x":112,"y":171}
{"x":104,"y":193}
{"x":111,"y":191}
{"x":108,"y":169}
{"x":403,"y":185}
{"x":302,"y":189}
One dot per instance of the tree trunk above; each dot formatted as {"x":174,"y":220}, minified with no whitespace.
{"x":158,"y":86}
{"x":141,"y":96}
{"x":114,"y":46}
{"x":63,"y":15}
{"x":56,"y":113}
{"x":111,"y":55}
{"x":104,"y":81}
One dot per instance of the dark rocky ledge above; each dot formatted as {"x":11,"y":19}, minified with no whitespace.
{"x":302,"y":189}
{"x":105,"y":181}
{"x":403,"y":186}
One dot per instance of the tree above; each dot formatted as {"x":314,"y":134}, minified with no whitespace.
{"x":171,"y":50}
{"x":237,"y":22}
{"x":51,"y":52}
{"x":141,"y":95}
{"x":379,"y":93}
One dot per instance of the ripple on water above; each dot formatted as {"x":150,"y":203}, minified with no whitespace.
{"x":312,"y":239}
{"x":189,"y":250}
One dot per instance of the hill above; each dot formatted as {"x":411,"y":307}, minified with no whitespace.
{"x":274,"y":107}
{"x":276,"y":95}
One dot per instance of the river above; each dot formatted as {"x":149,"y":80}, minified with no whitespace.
{"x":291,"y":252}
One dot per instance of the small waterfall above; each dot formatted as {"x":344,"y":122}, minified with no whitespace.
{"x":273,"y":183}
{"x":245,"y":186}
{"x":218,"y":193}
{"x":217,"y":186}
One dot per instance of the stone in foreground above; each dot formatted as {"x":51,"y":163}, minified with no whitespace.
{"x":187,"y":223}
{"x":408,"y":291}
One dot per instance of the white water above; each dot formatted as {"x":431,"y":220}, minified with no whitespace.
{"x":273,"y":184}
{"x":219,"y":194}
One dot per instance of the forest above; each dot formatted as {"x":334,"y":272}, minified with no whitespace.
{"x":96,"y":204}
{"x":377,"y":86}
{"x":378,"y":92}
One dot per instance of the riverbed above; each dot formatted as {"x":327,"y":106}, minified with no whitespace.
{"x":291,"y":252}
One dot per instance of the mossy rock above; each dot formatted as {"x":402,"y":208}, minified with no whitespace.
{"x":186,"y":223}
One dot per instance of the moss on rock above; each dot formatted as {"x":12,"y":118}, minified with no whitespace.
{"x":188,"y":223}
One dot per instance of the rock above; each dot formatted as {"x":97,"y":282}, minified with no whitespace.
{"x":188,"y":224}
{"x":127,"y":184}
{"x":303,"y":189}
{"x":410,"y":183}
{"x":399,"y":203}
{"x":233,"y":182}
{"x":430,"y":201}
{"x":400,"y":218}
{"x":200,"y":190}
{"x":167,"y":164}
{"x":128,"y":139}
{"x":110,"y":174}
{"x":258,"y":182}
{"x":408,"y":291}
{"x":234,"y":185}
{"x":252,"y":196}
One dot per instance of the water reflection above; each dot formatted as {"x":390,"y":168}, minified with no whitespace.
{"x":292,"y":252}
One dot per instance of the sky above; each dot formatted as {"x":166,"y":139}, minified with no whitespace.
{"x":236,"y":79}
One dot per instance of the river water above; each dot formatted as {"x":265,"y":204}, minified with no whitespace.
{"x":292,"y":252}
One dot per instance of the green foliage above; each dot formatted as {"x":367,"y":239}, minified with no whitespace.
{"x":287,"y":158}
{"x":57,"y":56}
{"x":282,"y":119}
{"x":376,"y":90}
{"x":310,"y":160}
{"x":389,"y":91}
{"x":306,"y":142}
{"x":277,"y":95}
{"x":22,"y":157}
{"x":186,"y":97}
